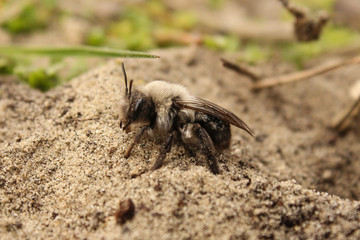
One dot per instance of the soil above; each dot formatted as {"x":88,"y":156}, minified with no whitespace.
{"x":63,"y":174}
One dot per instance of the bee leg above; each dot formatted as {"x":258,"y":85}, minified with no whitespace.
{"x":164,"y":150}
{"x":137,"y":139}
{"x":207,"y":148}
{"x":188,"y":150}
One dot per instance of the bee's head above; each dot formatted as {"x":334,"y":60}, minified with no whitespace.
{"x":135,"y":107}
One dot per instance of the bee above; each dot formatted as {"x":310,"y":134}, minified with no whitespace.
{"x":167,"y":110}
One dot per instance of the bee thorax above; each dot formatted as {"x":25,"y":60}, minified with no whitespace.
{"x":162,"y":94}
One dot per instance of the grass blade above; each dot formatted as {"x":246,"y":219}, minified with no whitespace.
{"x":73,"y":51}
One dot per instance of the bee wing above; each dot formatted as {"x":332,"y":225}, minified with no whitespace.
{"x":204,"y":106}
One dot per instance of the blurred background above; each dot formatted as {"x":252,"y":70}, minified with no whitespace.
{"x":251,"y":32}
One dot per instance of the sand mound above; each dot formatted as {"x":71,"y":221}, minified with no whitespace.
{"x":62,"y":171}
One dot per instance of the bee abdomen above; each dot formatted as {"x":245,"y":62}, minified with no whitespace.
{"x":218,"y":130}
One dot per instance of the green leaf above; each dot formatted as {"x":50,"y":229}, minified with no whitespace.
{"x":6,"y":65}
{"x":227,"y":43}
{"x":38,"y":78}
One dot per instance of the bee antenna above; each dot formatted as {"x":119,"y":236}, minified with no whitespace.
{"x":131,"y":83}
{"x":125,"y":78}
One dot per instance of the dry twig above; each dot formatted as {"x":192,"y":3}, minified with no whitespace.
{"x":346,"y":118}
{"x":297,"y":76}
{"x":242,"y":69}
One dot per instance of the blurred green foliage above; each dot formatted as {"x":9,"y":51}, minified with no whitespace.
{"x":32,"y":16}
{"x":96,"y":37}
{"x":132,"y":31}
{"x":44,"y":78}
{"x":216,"y":3}
{"x":333,"y":38}
{"x":40,"y":78}
{"x":151,"y":24}
{"x":144,"y":26}
{"x":326,"y":5}
{"x":253,"y":53}
{"x":6,"y":65}
{"x":228,"y":43}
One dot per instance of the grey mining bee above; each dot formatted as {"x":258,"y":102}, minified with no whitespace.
{"x":167,"y":110}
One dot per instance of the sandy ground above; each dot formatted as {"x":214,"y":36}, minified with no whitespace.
{"x":63,"y":174}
